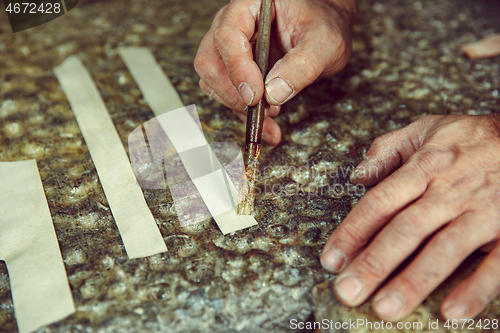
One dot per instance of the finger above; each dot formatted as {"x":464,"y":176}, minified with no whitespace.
{"x":274,"y":110}
{"x":389,"y":151}
{"x":242,"y":116}
{"x":488,"y":247}
{"x":398,"y":240}
{"x":205,"y":88}
{"x":439,"y":258}
{"x":213,"y":95}
{"x":471,"y":296}
{"x":209,"y":65}
{"x":271,"y":110}
{"x":271,"y":131}
{"x":232,"y":40}
{"x":305,"y":62}
{"x":377,"y":207}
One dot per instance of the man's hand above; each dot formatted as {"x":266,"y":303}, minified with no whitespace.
{"x":440,"y":190}
{"x":310,"y":39}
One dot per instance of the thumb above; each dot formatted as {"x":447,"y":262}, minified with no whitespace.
{"x":304,"y":63}
{"x":389,"y":151}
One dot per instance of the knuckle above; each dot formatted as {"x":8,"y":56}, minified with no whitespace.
{"x":377,"y":202}
{"x":350,"y":237}
{"x":230,"y":100}
{"x":230,"y":96}
{"x":427,"y":159}
{"x":310,"y":70}
{"x":450,"y":243}
{"x":204,"y":66}
{"x":234,"y":68}
{"x":371,"y":265}
{"x":407,"y":227}
{"x":430,"y":161}
{"x":412,"y":283}
{"x":221,"y":36}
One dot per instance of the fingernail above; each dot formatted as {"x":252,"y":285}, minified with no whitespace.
{"x":389,"y":305}
{"x":245,"y":110}
{"x":333,"y":260}
{"x":278,"y":90}
{"x":455,"y":310}
{"x":267,"y":137}
{"x":246,"y":93}
{"x":349,"y":289}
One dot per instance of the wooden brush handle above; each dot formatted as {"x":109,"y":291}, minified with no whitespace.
{"x":256,"y":114}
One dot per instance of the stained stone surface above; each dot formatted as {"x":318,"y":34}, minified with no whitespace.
{"x":406,"y":64}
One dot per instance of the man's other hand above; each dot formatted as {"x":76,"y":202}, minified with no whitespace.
{"x":438,"y":193}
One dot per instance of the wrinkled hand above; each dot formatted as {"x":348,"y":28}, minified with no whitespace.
{"x":440,"y":189}
{"x":310,"y":39}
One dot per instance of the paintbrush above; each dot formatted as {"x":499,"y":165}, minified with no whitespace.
{"x":255,"y":115}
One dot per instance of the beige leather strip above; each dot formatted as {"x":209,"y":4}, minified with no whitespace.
{"x":184,"y":133}
{"x":154,"y":84}
{"x":29,"y":246}
{"x":135,"y":222}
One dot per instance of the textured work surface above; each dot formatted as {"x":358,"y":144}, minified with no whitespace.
{"x":328,"y":309}
{"x":406,"y":63}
